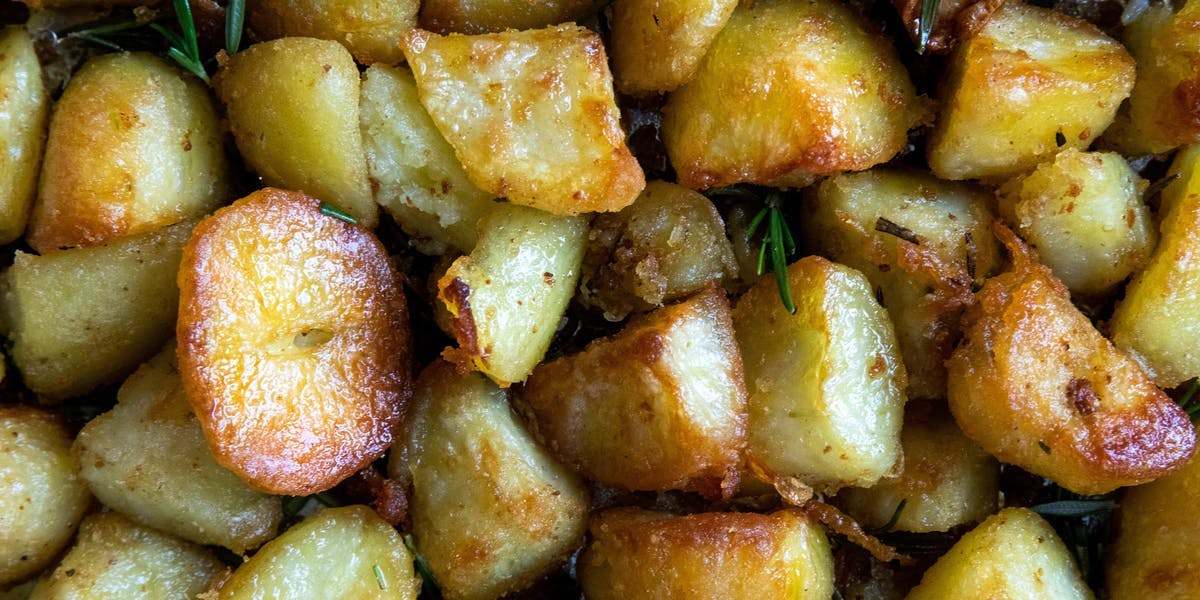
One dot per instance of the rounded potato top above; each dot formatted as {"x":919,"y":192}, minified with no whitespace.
{"x":368,"y":28}
{"x":293,"y":342}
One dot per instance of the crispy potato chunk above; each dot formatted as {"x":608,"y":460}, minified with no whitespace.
{"x":1013,"y":554}
{"x":134,"y":145}
{"x":293,"y":342}
{"x":506,"y":298}
{"x":292,"y":104}
{"x":85,"y":317}
{"x":1083,"y":213}
{"x":530,"y":114}
{"x":1030,"y":79}
{"x":368,"y":29}
{"x":494,"y":16}
{"x":638,"y":554}
{"x":788,"y":91}
{"x":339,"y":554}
{"x":667,"y":245}
{"x":925,"y":285}
{"x":657,"y":46}
{"x":148,"y":459}
{"x":1035,"y":385}
{"x":115,"y":558}
{"x":43,"y":497}
{"x":659,"y":406}
{"x":414,"y":172}
{"x":491,"y":511}
{"x":826,"y":383}
{"x":24,"y":108}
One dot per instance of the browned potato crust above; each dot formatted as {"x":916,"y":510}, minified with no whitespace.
{"x":293,"y":342}
{"x":1037,"y":386}
{"x":657,"y":45}
{"x":369,"y":29}
{"x":494,"y":16}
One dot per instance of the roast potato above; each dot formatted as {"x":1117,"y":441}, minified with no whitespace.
{"x":494,"y":16}
{"x":24,"y":108}
{"x":368,"y":29}
{"x":657,"y":45}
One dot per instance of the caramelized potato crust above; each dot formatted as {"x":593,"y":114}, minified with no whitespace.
{"x":367,"y":28}
{"x":657,"y":45}
{"x":494,"y":16}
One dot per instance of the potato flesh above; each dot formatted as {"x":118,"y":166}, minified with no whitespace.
{"x":24,"y":108}
{"x":368,"y":29}
{"x":657,"y":46}
{"x":494,"y":16}
{"x":826,"y":384}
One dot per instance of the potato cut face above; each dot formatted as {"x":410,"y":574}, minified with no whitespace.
{"x":43,"y":498}
{"x":925,"y":285}
{"x":530,"y":114}
{"x":147,"y":458}
{"x":24,"y":108}
{"x":826,"y":384}
{"x":368,"y":29}
{"x":657,"y":45}
{"x":1027,"y":76}
{"x":413,"y":169}
{"x":789,"y":90}
{"x":659,"y":406}
{"x":491,"y":510}
{"x":134,"y":145}
{"x":1035,"y":385}
{"x":638,"y":554}
{"x":1013,"y":554}
{"x":116,"y":558}
{"x":292,"y":105}
{"x":293,"y":342}
{"x":84,"y":317}
{"x":506,"y":298}
{"x":494,"y":16}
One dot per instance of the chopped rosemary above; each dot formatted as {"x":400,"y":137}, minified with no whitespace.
{"x":895,"y":516}
{"x":972,"y":253}
{"x":335,"y":211}
{"x":1074,"y":508}
{"x":235,"y":15}
{"x":777,"y":243}
{"x":925,"y":23}
{"x":1190,"y":402}
{"x":379,"y":578}
{"x":420,"y":564}
{"x":1044,"y":446}
{"x":1157,"y":187}
{"x":883,"y":225}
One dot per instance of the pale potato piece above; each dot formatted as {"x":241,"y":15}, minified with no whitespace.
{"x":116,"y":558}
{"x":668,"y":244}
{"x":1030,"y":75}
{"x":826,"y":383}
{"x":788,"y":91}
{"x":24,"y":108}
{"x":493,"y":16}
{"x":924,"y":286}
{"x":1035,"y":385}
{"x":148,"y":459}
{"x":506,"y":298}
{"x":657,"y":44}
{"x":1013,"y":554}
{"x":134,"y":145}
{"x":1083,"y":213}
{"x":81,"y":318}
{"x":530,"y":114}
{"x":368,"y":29}
{"x":292,"y":104}
{"x":414,"y":172}
{"x":638,"y":554}
{"x":659,"y":406}
{"x":491,"y":511}
{"x":294,"y":343}
{"x":343,"y":553}
{"x":43,"y":498}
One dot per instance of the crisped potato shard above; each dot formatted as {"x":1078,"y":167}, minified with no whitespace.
{"x":530,"y":114}
{"x":293,"y":342}
{"x":1035,"y":385}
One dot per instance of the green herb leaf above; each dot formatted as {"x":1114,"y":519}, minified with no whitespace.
{"x":777,"y":243}
{"x":336,"y":212}
{"x":895,"y":516}
{"x":1074,"y":508}
{"x":1190,"y":402}
{"x":235,"y":16}
{"x":925,"y":23}
{"x":419,"y":562}
{"x":379,"y":578}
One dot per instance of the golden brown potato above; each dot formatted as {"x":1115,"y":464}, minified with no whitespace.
{"x":657,"y":45}
{"x":1030,"y":82}
{"x":81,"y":318}
{"x":148,"y":459}
{"x":134,"y":145}
{"x":826,"y":383}
{"x":292,"y":104}
{"x":43,"y":497}
{"x":491,"y":511}
{"x":368,"y":29}
{"x":24,"y":106}
{"x":1035,"y":385}
{"x":293,"y":342}
{"x":494,"y":16}
{"x":954,"y":20}
{"x":566,"y":152}
{"x":1013,"y":554}
{"x":638,"y":554}
{"x":668,"y":244}
{"x":659,"y":406}
{"x":788,"y":91}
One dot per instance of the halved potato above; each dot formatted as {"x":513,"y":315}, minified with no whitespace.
{"x":368,"y":29}
{"x":134,"y":145}
{"x":293,"y":342}
{"x":1035,"y":385}
{"x":657,"y":45}
{"x":531,"y":115}
{"x":494,"y":16}
{"x":659,"y":406}
{"x":638,"y":554}
{"x":24,"y":107}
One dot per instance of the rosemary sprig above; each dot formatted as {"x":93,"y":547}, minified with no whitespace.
{"x":925,"y":23}
{"x":185,"y":49}
{"x":1190,"y":402}
{"x":235,"y":16}
{"x":777,"y":243}
{"x":1075,"y":508}
{"x":335,"y":211}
